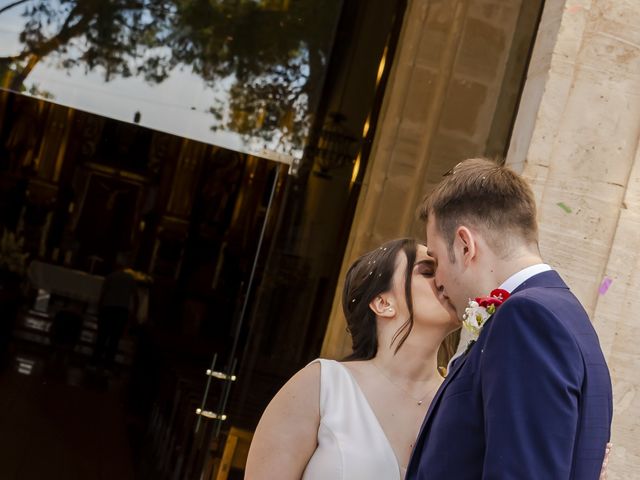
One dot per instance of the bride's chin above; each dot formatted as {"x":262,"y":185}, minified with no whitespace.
{"x":432,"y":323}
{"x":448,"y":306}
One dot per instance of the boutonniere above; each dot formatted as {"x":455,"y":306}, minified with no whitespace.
{"x":480,"y":309}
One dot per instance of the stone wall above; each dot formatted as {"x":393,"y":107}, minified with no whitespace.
{"x":576,"y":141}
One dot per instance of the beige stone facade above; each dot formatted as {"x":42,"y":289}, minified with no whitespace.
{"x":444,"y":102}
{"x":576,"y":139}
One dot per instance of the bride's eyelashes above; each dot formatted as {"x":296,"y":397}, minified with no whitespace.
{"x":426,"y":268}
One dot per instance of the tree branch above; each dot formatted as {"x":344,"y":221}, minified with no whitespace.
{"x":11,"y":58}
{"x":11,"y":5}
{"x":66,"y":33}
{"x":6,"y":61}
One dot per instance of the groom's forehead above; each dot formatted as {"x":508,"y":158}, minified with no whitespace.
{"x":431,"y":231}
{"x":431,"y":247}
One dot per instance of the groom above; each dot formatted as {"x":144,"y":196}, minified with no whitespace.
{"x":531,"y":398}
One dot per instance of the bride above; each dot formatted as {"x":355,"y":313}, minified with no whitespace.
{"x":358,"y":419}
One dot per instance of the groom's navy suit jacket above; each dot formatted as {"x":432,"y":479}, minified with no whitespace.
{"x":530,"y":400}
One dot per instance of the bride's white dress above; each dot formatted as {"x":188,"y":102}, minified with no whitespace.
{"x":351,"y":442}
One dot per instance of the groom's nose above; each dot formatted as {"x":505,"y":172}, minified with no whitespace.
{"x":436,"y":279}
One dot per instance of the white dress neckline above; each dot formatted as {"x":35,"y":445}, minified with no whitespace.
{"x":351,"y":444}
{"x":373,"y":416}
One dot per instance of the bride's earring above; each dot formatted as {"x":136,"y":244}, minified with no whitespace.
{"x":381,"y":306}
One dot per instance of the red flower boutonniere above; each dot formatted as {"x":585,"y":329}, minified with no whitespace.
{"x":480,"y":309}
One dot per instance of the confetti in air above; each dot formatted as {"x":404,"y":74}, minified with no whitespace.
{"x":604,"y":286}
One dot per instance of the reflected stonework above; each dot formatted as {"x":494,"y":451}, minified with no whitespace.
{"x":242,"y":74}
{"x":88,"y":190}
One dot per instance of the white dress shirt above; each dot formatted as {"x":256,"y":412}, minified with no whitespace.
{"x":518,"y":278}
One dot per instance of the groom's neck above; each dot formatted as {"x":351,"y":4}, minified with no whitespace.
{"x":505,"y":267}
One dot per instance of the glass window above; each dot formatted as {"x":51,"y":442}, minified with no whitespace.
{"x":242,"y":74}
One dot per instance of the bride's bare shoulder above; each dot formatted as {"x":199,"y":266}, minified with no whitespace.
{"x":357,"y":367}
{"x":286,"y":435}
{"x":304,"y":383}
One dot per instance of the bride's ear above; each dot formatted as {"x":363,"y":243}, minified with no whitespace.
{"x":381,"y":306}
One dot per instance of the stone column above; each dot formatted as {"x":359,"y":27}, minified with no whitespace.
{"x":576,"y":140}
{"x":395,"y":172}
{"x":449,"y":94}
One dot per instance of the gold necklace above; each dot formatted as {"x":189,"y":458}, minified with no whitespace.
{"x":419,"y":401}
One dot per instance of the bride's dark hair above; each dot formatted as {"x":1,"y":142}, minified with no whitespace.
{"x":369,"y":276}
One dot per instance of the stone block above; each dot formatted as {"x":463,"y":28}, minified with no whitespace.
{"x":463,"y":105}
{"x":483,"y":51}
{"x":421,"y":94}
{"x":434,"y":34}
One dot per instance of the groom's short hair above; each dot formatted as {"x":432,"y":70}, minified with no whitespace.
{"x":482,"y":194}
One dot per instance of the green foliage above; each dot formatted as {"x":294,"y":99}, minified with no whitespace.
{"x":275,"y":52}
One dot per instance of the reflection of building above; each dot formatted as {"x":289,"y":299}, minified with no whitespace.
{"x":83,"y":188}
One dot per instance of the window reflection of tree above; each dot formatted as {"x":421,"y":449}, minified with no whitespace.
{"x":274,"y":52}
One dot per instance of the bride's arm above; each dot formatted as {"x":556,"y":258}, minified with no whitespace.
{"x":287,"y":433}
{"x":603,"y":472}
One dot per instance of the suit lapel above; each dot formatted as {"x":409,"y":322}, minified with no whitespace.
{"x":458,"y":366}
{"x":434,"y":403}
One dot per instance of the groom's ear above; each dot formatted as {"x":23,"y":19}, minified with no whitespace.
{"x":466,"y":243}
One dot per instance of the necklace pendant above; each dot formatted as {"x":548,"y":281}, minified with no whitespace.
{"x":419,"y":402}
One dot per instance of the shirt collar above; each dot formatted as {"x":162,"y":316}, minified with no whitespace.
{"x":518,"y":278}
